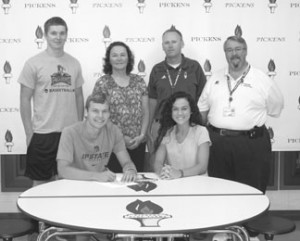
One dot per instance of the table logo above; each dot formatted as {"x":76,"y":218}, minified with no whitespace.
{"x":147,"y":213}
{"x":143,"y":186}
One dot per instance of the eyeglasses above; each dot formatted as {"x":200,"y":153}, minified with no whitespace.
{"x":236,"y":50}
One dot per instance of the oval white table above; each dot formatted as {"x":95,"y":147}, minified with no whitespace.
{"x":150,"y":207}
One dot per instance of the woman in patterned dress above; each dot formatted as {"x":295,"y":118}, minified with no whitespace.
{"x":128,"y":97}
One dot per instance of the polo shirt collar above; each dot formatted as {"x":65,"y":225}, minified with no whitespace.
{"x":183,"y":64}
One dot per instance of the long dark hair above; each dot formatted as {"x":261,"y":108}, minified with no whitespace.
{"x":167,"y":122}
{"x":107,"y":67}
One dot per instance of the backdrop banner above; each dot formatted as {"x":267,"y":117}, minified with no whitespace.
{"x":271,"y":29}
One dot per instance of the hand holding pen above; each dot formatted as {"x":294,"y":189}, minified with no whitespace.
{"x":108,"y":175}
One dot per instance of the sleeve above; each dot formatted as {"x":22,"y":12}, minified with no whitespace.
{"x":79,"y":78}
{"x":275,"y":101}
{"x":202,"y":135}
{"x":100,"y":86}
{"x":201,"y":80}
{"x":152,"y":86}
{"x":119,"y":143}
{"x":144,"y":87}
{"x":27,"y":76}
{"x":203,"y":103}
{"x":65,"y":147}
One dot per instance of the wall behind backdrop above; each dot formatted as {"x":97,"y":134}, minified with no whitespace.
{"x":271,"y":29}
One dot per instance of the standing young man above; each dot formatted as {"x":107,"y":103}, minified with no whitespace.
{"x":52,"y":80}
{"x":175,"y":73}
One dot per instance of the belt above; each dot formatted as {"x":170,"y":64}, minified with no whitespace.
{"x":252,"y":133}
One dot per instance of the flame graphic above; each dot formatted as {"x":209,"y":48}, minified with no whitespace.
{"x":271,"y":132}
{"x":73,"y":1}
{"x":7,"y":68}
{"x":238,"y":31}
{"x":8,"y":136}
{"x":207,"y":66}
{"x":207,"y":1}
{"x":141,"y":1}
{"x":106,"y":32}
{"x":299,"y":100}
{"x":141,"y":66}
{"x":5,"y":1}
{"x":272,"y":1}
{"x":271,"y":65}
{"x":39,"y":32}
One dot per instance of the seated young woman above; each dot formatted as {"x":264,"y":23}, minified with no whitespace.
{"x":182,"y":145}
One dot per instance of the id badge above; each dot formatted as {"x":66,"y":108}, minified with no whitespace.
{"x":228,"y":112}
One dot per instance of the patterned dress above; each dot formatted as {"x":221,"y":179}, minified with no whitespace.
{"x":125,"y":102}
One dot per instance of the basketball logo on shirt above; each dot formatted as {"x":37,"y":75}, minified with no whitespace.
{"x":60,"y":76}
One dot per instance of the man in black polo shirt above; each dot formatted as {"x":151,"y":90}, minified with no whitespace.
{"x":175,"y":73}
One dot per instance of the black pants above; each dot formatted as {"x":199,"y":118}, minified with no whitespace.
{"x":241,"y":158}
{"x":137,"y":155}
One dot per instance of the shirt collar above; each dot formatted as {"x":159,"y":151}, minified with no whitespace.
{"x":183,"y":64}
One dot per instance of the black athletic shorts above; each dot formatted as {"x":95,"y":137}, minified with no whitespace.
{"x":41,"y":156}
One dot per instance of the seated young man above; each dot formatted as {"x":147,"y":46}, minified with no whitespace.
{"x":85,"y":147}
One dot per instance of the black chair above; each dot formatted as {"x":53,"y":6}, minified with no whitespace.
{"x":270,"y":225}
{"x":11,"y":227}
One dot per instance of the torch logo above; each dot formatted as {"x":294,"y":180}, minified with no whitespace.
{"x":73,"y":5}
{"x":271,"y":68}
{"x":6,"y":6}
{"x":7,"y":72}
{"x":141,"y":5}
{"x":39,"y":37}
{"x":238,"y":31}
{"x":145,"y":186}
{"x":8,"y":140}
{"x":271,"y":134}
{"x":272,"y":5}
{"x":207,"y":68}
{"x":141,"y":69}
{"x":147,"y":213}
{"x":207,"y":5}
{"x":106,"y":36}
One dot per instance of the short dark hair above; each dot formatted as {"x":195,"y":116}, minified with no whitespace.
{"x":173,"y":29}
{"x":54,"y":21}
{"x":107,"y":67}
{"x":236,"y":39}
{"x":98,"y":97}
